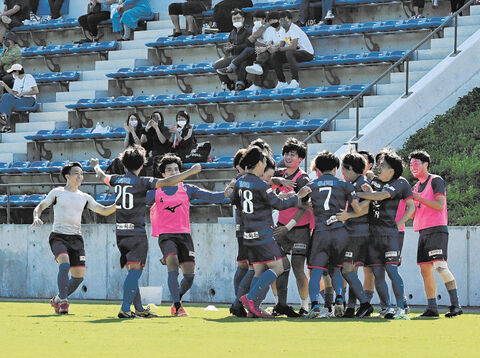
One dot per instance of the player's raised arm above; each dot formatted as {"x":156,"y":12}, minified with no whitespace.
{"x":99,"y":172}
{"x":104,"y":210}
{"x":177,"y":178}
{"x":369,"y":194}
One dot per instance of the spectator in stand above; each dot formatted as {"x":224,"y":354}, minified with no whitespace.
{"x":187,"y":9}
{"x":135,"y":131}
{"x":295,"y":47}
{"x":327,"y":12}
{"x":55,"y":6}
{"x":222,"y":21}
{"x":97,"y":11}
{"x":182,"y":138}
{"x":33,"y":11}
{"x":456,"y":5}
{"x":418,"y":6}
{"x":10,"y":55}
{"x":14,"y":12}
{"x":128,"y":14}
{"x":156,"y":139}
{"x":237,"y":42}
{"x":23,"y":94}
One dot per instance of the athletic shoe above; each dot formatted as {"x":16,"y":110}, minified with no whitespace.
{"x":181,"y":312}
{"x":329,"y":15}
{"x":326,"y":313}
{"x":302,"y":312}
{"x":63,"y":307}
{"x":400,"y":314}
{"x":5,"y":129}
{"x":429,"y":313}
{"x":349,"y":313}
{"x":382,"y":312}
{"x":293,"y":84}
{"x":128,"y":314}
{"x":254,"y":69}
{"x":339,"y":307}
{"x":407,"y":308}
{"x":454,"y":311}
{"x":250,"y":307}
{"x":288,"y":311}
{"x":251,"y":315}
{"x":435,"y":4}
{"x":145,"y":313}
{"x":254,"y":88}
{"x":224,"y":70}
{"x":365,"y":310}
{"x":238,"y":311}
{"x":389,"y":313}
{"x":173,"y":310}
{"x":314,"y":312}
{"x":281,"y":85}
{"x":55,"y":305}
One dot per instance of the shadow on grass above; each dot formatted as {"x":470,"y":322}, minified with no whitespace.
{"x":231,"y":319}
{"x":45,"y":315}
{"x":118,"y":320}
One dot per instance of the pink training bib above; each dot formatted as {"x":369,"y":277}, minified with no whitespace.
{"x":425,"y":216}
{"x":171,"y":213}
{"x":400,"y":212}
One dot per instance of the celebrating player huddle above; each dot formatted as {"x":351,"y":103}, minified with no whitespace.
{"x":334,"y":225}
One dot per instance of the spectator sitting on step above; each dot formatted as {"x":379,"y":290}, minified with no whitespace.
{"x":156,"y":139}
{"x":97,"y":11}
{"x":23,"y":94}
{"x":237,"y":42}
{"x":128,"y":14}
{"x":187,"y":9}
{"x":182,"y":138}
{"x":11,"y":54}
{"x":295,"y":47}
{"x":14,"y":12}
{"x":135,"y":131}
{"x":222,"y":21}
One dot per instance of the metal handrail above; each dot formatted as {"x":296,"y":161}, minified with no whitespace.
{"x":405,"y":58}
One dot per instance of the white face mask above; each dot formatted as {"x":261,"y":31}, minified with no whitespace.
{"x":15,"y":77}
{"x":181,"y":124}
{"x":257,"y":24}
{"x":133,"y":122}
{"x":238,"y":24}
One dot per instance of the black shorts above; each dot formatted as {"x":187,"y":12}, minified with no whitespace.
{"x":328,"y":248}
{"x":432,"y":247}
{"x":264,"y":253}
{"x":133,"y":249}
{"x":296,"y":241}
{"x":242,"y":255}
{"x":357,"y":250}
{"x":177,"y":244}
{"x":383,"y":249}
{"x":14,"y":23}
{"x":72,"y":245}
{"x":186,"y":8}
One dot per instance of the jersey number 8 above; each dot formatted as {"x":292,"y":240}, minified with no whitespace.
{"x":247,"y":203}
{"x":126,"y":198}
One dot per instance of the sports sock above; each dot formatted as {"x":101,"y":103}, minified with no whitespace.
{"x":369,"y":295}
{"x":356,"y":287}
{"x":130,"y":287}
{"x":275,"y":299}
{"x":337,"y":281}
{"x":397,"y":284}
{"x":381,"y":285}
{"x":137,"y":302}
{"x":352,"y":299}
{"x":62,"y":280}
{"x":322,"y":293}
{"x":253,"y":282}
{"x":314,"y":284}
{"x":262,"y":285}
{"x":304,"y":303}
{"x":173,"y":285}
{"x":328,"y":300}
{"x":453,"y":297}
{"x":186,"y":283}
{"x":244,"y":286}
{"x":432,"y":304}
{"x":282,"y":287}
{"x":237,"y":278}
{"x":73,"y":284}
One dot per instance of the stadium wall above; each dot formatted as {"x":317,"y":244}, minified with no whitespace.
{"x":28,"y":270}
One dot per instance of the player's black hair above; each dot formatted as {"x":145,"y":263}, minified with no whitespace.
{"x":273,"y":15}
{"x":237,"y":11}
{"x":294,"y":145}
{"x":261,"y":14}
{"x":395,"y":162}
{"x":66,"y":169}
{"x":286,"y":14}
{"x":421,"y":155}
{"x":133,"y":157}
{"x":326,"y":161}
{"x":354,"y":161}
{"x":185,"y":115}
{"x":238,"y":155}
{"x":252,"y":156}
{"x":382,"y":151}
{"x":139,"y":127}
{"x":260,"y":143}
{"x":161,"y":121}
{"x":270,"y":163}
{"x":370,"y":158}
{"x":166,"y":160}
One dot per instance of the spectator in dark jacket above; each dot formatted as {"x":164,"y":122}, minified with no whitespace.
{"x":222,"y":21}
{"x":156,"y":140}
{"x":187,"y":9}
{"x":237,"y":42}
{"x":14,"y":12}
{"x":135,"y":131}
{"x":182,"y":137}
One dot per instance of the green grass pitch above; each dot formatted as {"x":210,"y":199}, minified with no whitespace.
{"x":31,"y":329}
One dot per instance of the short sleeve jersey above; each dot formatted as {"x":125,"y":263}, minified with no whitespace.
{"x":256,"y":199}
{"x":382,"y":213}
{"x":300,"y":182}
{"x":130,"y":193}
{"x":358,"y":226}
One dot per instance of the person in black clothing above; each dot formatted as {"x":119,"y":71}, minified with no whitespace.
{"x":55,"y":6}
{"x":222,"y":22}
{"x":135,"y":131}
{"x":182,"y":138}
{"x":97,"y":11}
{"x":14,"y":12}
{"x":237,"y":42}
{"x":156,"y":140}
{"x":187,"y":9}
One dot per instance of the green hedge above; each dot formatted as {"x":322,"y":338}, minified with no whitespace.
{"x":453,"y":142}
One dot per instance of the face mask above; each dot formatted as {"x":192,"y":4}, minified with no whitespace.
{"x":238,"y":24}
{"x":181,"y":124}
{"x":257,"y":24}
{"x":133,"y":122}
{"x":275,"y":25}
{"x":15,"y":77}
{"x":284,"y":24}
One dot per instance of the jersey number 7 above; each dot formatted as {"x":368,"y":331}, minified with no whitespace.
{"x":123,"y":199}
{"x":326,"y":204}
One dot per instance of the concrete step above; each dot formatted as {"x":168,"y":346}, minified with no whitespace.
{"x":390,"y":89}
{"x":49,"y":116}
{"x":467,"y":30}
{"x":89,"y":85}
{"x":475,"y":10}
{"x":336,"y":136}
{"x":16,"y":137}
{"x":447,"y":42}
{"x":114,"y":65}
{"x":55,"y":106}
{"x":13,"y":157}
{"x":332,"y":147}
{"x":379,"y":101}
{"x":469,"y":20}
{"x":433,"y":54}
{"x":349,"y":124}
{"x":19,"y":147}
{"x":365,"y":112}
{"x":132,"y":45}
{"x":159,"y":25}
{"x":129,"y":54}
{"x":151,"y":35}
{"x":93,"y":75}
{"x":75,"y":96}
{"x":423,"y":65}
{"x":413,"y":77}
{"x":35,"y":126}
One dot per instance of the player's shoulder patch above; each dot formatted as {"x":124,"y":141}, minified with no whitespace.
{"x":269,"y":190}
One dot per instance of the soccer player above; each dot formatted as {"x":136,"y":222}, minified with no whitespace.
{"x":256,"y":199}
{"x":430,"y":221}
{"x":383,"y":250}
{"x":170,"y":218}
{"x":130,"y":190}
{"x":293,"y":230}
{"x":66,"y":240}
{"x":329,"y":243}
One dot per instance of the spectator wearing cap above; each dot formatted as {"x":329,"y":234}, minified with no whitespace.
{"x":127,"y":16}
{"x":14,"y":12}
{"x":11,"y":54}
{"x":187,"y":9}
{"x":182,"y":138}
{"x":23,"y":94}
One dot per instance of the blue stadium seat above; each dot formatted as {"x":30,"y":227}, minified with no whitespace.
{"x":31,"y":108}
{"x":55,"y":166}
{"x":3,"y":200}
{"x":124,"y":101}
{"x":78,"y":133}
{"x":37,"y":167}
{"x":16,"y":167}
{"x":205,"y":128}
{"x":18,"y":200}
{"x":85,"y":165}
{"x":35,"y":199}
{"x":103,"y":199}
{"x":246,"y":127}
{"x":224,"y":128}
{"x":278,"y":158}
{"x":204,"y":97}
{"x":271,"y":126}
{"x":40,"y":135}
{"x":57,"y":134}
{"x":116,"y":133}
{"x":293,"y":124}
{"x":4,"y":166}
{"x":310,"y":124}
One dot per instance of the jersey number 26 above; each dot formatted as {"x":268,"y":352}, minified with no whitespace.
{"x":123,"y":199}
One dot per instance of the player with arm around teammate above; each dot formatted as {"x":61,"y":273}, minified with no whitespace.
{"x":131,"y":190}
{"x":66,"y":240}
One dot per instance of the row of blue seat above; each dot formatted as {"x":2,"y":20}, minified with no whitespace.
{"x":56,"y":77}
{"x":45,"y":166}
{"x":313,"y":31}
{"x":207,"y":67}
{"x":214,"y":97}
{"x":53,"y":50}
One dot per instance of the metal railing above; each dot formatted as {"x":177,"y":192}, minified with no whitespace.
{"x":405,"y":59}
